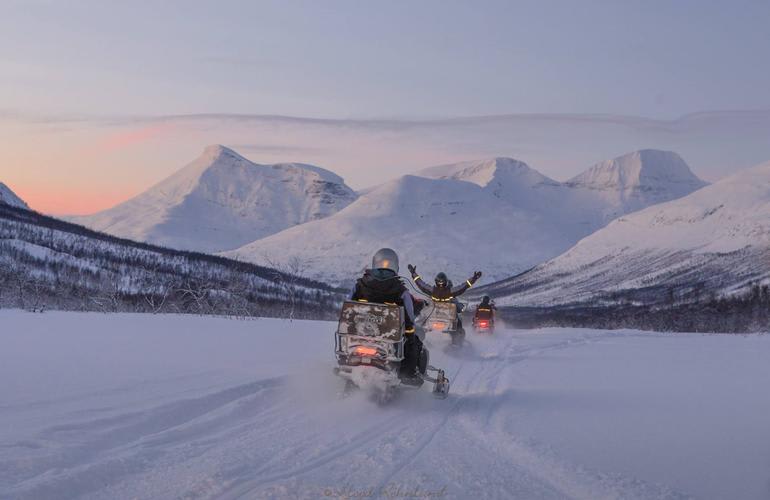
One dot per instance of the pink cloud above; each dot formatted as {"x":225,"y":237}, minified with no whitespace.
{"x":127,"y":138}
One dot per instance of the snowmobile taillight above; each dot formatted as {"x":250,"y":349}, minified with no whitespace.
{"x":483,"y":324}
{"x":365,"y":351}
{"x":438,"y":325}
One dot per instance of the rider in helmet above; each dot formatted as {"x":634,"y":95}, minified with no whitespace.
{"x":443,"y":291}
{"x":485,"y":310}
{"x":487,"y":303}
{"x":382,"y":284}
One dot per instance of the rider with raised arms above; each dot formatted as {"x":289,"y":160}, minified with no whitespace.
{"x":443,"y":291}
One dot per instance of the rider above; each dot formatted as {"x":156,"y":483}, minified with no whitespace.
{"x":486,"y":303}
{"x":381,"y":284}
{"x":485,"y":309}
{"x":443,"y":291}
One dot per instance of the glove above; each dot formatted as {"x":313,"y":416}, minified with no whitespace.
{"x":475,"y":277}
{"x":412,"y":270}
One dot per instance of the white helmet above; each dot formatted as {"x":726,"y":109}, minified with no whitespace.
{"x":385,"y":258}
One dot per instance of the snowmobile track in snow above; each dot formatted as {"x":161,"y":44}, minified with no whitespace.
{"x":285,"y":434}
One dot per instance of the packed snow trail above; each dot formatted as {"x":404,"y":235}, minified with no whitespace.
{"x":132,"y":406}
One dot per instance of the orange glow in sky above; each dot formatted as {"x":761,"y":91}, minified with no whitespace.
{"x":50,"y":200}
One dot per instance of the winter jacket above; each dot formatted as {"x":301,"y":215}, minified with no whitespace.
{"x":383,"y":286}
{"x":445,"y":293}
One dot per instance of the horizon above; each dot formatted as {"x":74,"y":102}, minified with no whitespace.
{"x":429,"y":142}
{"x":106,"y":99}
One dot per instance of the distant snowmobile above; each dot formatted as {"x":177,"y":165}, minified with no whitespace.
{"x":369,"y":345}
{"x":484,"y":317}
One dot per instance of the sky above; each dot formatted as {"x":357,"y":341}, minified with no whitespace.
{"x":101,"y":99}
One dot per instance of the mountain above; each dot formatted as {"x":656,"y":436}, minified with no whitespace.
{"x":222,"y":201}
{"x":506,"y":179}
{"x":437,"y":224}
{"x":497,"y":215}
{"x":711,"y":244}
{"x":8,"y":197}
{"x":53,"y":264}
{"x":635,"y":181}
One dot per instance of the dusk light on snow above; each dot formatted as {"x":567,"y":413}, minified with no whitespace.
{"x":408,"y":249}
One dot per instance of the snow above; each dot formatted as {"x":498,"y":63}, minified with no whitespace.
{"x":497,"y":215}
{"x":142,"y":406}
{"x":9,"y":197}
{"x":222,"y":201}
{"x":725,"y":225}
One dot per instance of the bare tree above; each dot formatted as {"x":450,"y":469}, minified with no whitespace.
{"x":287,"y":275}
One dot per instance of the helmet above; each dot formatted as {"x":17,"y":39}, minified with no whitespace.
{"x":441,"y":280}
{"x":485,"y":299}
{"x":385,"y":258}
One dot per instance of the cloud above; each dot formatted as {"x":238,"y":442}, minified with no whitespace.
{"x":276,"y":149}
{"x":398,"y":124}
{"x":132,"y":137}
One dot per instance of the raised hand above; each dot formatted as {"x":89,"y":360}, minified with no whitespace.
{"x":476,"y":276}
{"x":412,"y":269}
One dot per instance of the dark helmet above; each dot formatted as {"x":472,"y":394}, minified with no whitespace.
{"x":485,"y":299}
{"x":441,"y":280}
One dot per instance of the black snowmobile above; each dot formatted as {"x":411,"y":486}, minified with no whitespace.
{"x":369,"y":345}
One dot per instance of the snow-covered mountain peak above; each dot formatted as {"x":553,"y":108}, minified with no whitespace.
{"x":485,"y":172}
{"x":636,"y":180}
{"x":222,"y":200}
{"x":215,"y":152}
{"x":644,"y":170}
{"x":219,"y":157}
{"x":8,"y":197}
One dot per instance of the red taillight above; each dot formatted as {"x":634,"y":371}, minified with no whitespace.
{"x":483,"y":324}
{"x":439,"y":326}
{"x":365,"y":351}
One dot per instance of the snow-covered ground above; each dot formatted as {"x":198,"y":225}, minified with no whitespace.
{"x":133,"y":406}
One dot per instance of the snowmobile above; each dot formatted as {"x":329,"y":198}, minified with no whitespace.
{"x":369,"y":346}
{"x":442,"y":317}
{"x":484,"y":320}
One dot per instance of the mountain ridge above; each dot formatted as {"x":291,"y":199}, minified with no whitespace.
{"x":222,"y":200}
{"x":498,"y":215}
{"x":714,"y":241}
